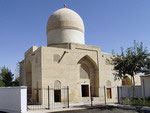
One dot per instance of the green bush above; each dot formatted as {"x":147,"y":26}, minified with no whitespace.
{"x":125,"y":101}
{"x":136,"y":101}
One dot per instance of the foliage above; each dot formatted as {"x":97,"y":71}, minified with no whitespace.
{"x":16,"y":82}
{"x":1,"y":83}
{"x":136,"y":101}
{"x":131,"y":61}
{"x":125,"y":101}
{"x":6,"y":78}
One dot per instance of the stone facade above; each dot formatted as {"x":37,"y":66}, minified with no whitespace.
{"x":83,"y":68}
{"x":73,"y":65}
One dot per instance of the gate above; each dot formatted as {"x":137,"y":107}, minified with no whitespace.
{"x":47,"y":98}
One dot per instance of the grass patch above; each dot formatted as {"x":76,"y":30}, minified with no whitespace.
{"x":136,"y":101}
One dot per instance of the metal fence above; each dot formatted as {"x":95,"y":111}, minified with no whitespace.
{"x":102,"y":95}
{"x":108,"y":95}
{"x":47,"y":98}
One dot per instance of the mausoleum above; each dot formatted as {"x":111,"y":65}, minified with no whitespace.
{"x":68,"y":61}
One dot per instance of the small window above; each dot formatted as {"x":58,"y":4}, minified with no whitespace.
{"x":85,"y":90}
{"x":109,"y":95}
{"x":56,"y":58}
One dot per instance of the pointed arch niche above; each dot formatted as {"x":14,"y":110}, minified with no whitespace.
{"x":89,"y":70}
{"x":29,"y":79}
{"x":126,"y":81}
{"x":29,"y":74}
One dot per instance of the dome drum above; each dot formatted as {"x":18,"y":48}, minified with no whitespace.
{"x":65,"y":26}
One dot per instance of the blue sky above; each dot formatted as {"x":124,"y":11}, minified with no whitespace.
{"x":110,"y":24}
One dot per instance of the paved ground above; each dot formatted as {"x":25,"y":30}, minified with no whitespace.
{"x":87,"y":109}
{"x":113,"y":110}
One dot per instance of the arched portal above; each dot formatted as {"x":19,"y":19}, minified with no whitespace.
{"x":89,"y":70}
{"x":29,"y":81}
{"x":126,"y":81}
{"x":29,"y":74}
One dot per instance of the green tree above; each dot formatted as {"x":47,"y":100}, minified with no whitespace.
{"x":16,"y":82}
{"x":1,"y":83}
{"x":131,"y":61}
{"x":6,"y":77}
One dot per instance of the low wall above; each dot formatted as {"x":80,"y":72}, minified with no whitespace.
{"x":145,"y":80}
{"x":127,"y":92}
{"x":13,"y":99}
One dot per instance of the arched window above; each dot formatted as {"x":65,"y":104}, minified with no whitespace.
{"x":57,"y":84}
{"x":108,"y":83}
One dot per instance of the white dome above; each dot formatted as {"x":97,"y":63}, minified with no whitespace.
{"x":65,"y":26}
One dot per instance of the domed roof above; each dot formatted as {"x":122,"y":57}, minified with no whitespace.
{"x":65,"y":18}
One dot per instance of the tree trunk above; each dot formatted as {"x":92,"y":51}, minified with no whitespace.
{"x":133,"y":85}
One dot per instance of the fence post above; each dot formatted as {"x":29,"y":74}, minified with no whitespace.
{"x":121,"y":94}
{"x":105,"y":94}
{"x":129,"y":94}
{"x":143,"y":89}
{"x":91,"y":96}
{"x":68,"y":95}
{"x":118,"y":95}
{"x":48,"y":99}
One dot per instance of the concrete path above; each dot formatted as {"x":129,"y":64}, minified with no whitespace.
{"x":97,"y":109}
{"x":54,"y":110}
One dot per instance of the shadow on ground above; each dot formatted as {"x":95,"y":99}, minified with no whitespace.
{"x":2,"y":112}
{"x":104,"y":109}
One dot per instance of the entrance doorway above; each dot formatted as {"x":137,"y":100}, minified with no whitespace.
{"x":57,"y":95}
{"x":85,"y":90}
{"x":109,"y":96}
{"x":89,"y":71}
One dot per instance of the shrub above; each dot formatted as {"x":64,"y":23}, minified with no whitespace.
{"x":136,"y":101}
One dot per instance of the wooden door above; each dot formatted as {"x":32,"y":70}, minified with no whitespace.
{"x":109,"y":96}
